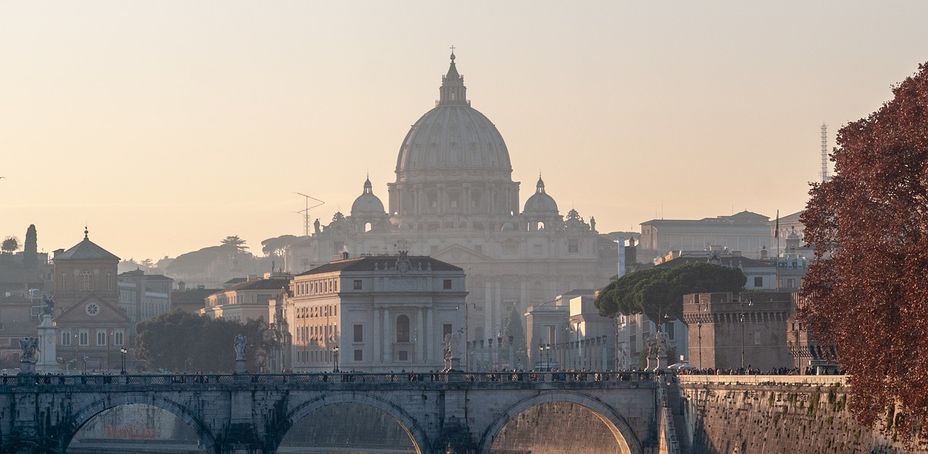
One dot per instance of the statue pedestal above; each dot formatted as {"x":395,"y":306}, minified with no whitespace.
{"x":26,"y":368}
{"x":240,"y":367}
{"x":48,"y":340}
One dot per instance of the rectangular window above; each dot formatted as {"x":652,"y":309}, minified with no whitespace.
{"x":445,"y":330}
{"x":101,"y":337}
{"x":403,"y":355}
{"x":573,"y":246}
{"x":758,"y":281}
{"x":358,"y":355}
{"x":357,"y":284}
{"x":790,"y":283}
{"x":359,"y":333}
{"x":446,"y":284}
{"x":66,"y":338}
{"x":83,"y":338}
{"x":119,"y":338}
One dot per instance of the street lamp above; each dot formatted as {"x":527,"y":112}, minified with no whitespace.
{"x":123,"y":351}
{"x":750,"y":303}
{"x":335,"y":358}
{"x":699,"y":320}
{"x":544,"y":351}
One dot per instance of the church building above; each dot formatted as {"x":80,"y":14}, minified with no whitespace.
{"x":92,"y":328}
{"x":454,"y":200}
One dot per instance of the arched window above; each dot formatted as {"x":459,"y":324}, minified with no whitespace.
{"x":402,"y":328}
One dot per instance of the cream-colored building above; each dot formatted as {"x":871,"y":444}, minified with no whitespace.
{"x":745,"y":232}
{"x":454,"y":199}
{"x":376,"y":313}
{"x":248,"y":300}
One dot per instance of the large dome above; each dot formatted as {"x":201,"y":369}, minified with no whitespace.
{"x":453,"y":138}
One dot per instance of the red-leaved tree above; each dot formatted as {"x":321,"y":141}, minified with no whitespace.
{"x":867,"y":290}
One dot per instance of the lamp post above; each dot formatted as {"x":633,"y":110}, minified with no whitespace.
{"x":750,"y":303}
{"x":699,"y":337}
{"x":544,"y":351}
{"x":700,"y":317}
{"x":335,"y":358}
{"x":123,"y":352}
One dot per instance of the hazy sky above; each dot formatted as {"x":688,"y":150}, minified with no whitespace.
{"x":167,"y":125}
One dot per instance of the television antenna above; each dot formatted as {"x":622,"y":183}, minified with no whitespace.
{"x":305,"y":211}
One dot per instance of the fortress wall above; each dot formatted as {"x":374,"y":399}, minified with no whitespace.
{"x":772,"y":414}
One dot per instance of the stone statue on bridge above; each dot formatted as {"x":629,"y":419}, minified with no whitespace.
{"x":449,"y":351}
{"x":48,"y":307}
{"x":29,"y":345}
{"x":658,"y":346}
{"x":239,"y":346}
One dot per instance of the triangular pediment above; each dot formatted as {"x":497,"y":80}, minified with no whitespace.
{"x":105,"y":312}
{"x":457,"y":253}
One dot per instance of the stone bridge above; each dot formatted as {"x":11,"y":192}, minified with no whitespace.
{"x":456,"y":412}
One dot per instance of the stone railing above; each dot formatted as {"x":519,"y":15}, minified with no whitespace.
{"x":763,"y":379}
{"x":575,"y":378}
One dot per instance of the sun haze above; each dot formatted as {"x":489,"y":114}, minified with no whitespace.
{"x":166,"y":126}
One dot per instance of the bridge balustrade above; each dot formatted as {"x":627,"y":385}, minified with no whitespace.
{"x":326,"y":378}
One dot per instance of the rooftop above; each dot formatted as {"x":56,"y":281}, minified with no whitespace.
{"x":86,"y":250}
{"x":384,"y":263}
{"x":744,"y":217}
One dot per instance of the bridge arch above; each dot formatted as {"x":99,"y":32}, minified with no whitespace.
{"x":418,"y":436}
{"x":89,"y":411}
{"x":623,"y":433}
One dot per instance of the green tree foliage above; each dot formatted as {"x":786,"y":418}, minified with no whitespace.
{"x":233,"y":242}
{"x":658,"y":292}
{"x":183,"y":342}
{"x":10,"y":244}
{"x":866,"y":292}
{"x":275,"y":246}
{"x":31,"y":249}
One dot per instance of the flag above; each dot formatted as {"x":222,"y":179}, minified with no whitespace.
{"x":776,"y":231}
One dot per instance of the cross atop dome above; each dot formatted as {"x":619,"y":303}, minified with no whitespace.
{"x":452,"y":89}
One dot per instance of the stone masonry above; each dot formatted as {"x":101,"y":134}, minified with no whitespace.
{"x":774,"y":414}
{"x":457,"y":412}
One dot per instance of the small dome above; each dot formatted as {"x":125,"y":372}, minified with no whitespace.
{"x":367,"y":204}
{"x":540,"y":203}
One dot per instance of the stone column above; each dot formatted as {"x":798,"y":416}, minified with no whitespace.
{"x":387,"y":337}
{"x":497,"y":309}
{"x":488,"y":309}
{"x":376,"y":335}
{"x":420,"y":336}
{"x":430,"y":340}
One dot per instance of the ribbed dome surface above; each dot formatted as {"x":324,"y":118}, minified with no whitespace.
{"x":454,"y":137}
{"x":367,"y":205}
{"x":540,"y":203}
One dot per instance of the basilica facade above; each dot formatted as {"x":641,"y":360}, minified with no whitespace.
{"x":454,"y":200}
